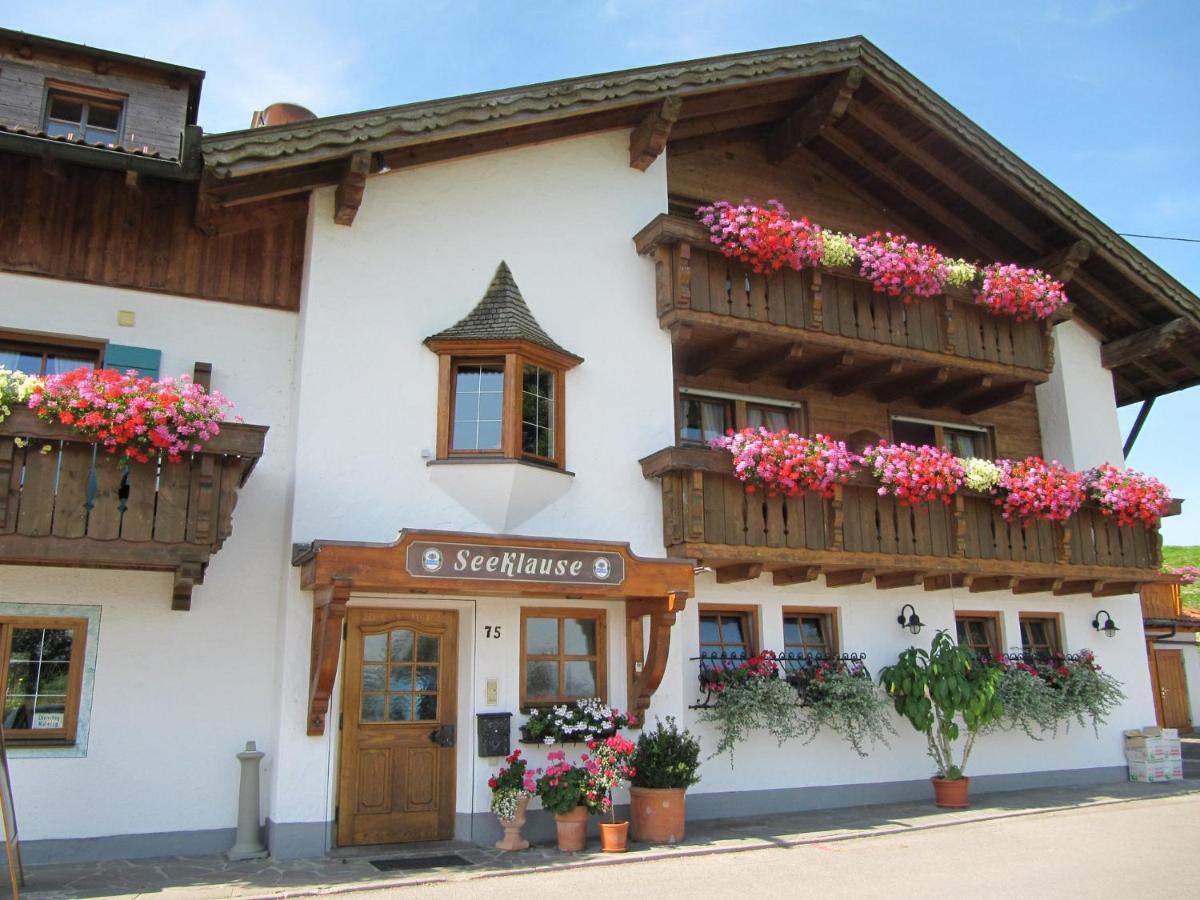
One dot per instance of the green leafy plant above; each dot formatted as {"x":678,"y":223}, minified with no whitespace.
{"x":937,"y":689}
{"x":1046,"y":692}
{"x":767,"y":704}
{"x":666,"y":757}
{"x":842,"y":698}
{"x":1029,"y":703}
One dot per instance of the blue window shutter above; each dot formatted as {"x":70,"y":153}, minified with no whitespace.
{"x":121,"y":358}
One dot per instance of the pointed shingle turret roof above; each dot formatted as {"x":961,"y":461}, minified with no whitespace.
{"x":501,"y":315}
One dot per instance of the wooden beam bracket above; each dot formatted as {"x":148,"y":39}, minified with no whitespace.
{"x":814,"y":116}
{"x":646,"y":673}
{"x":1148,"y":343}
{"x":350,"y":188}
{"x":740,"y":572}
{"x":794,"y":575}
{"x":886,"y":581}
{"x":649,"y":139}
{"x":329,"y":617}
{"x":188,"y":574}
{"x":846,"y":577}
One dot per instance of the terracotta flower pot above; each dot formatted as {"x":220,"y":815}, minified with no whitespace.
{"x":572,"y":829}
{"x":951,"y":793}
{"x":512,"y":839}
{"x":657,"y":814}
{"x":614,"y":837}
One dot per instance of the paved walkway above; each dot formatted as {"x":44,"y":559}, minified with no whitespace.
{"x":194,"y":878}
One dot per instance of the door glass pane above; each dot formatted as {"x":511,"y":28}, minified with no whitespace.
{"x":541,"y":637}
{"x":402,"y":645}
{"x":401,"y":678}
{"x":426,"y":707}
{"x":427,"y":648}
{"x":541,"y":680}
{"x":400,"y":708}
{"x":373,"y":678}
{"x":580,"y":637}
{"x":427,"y":678}
{"x":375,"y":647}
{"x":581,"y":679}
{"x":372,"y":707}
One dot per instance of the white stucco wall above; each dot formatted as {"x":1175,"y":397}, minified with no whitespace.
{"x":176,"y":694}
{"x":420,"y":255}
{"x":1077,"y":408}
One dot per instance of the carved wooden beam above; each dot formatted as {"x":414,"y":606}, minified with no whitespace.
{"x":740,"y":572}
{"x":189,"y":574}
{"x":645,"y":675}
{"x":1149,"y":342}
{"x":1115,"y":588}
{"x":814,"y":116}
{"x":649,"y":139}
{"x":1064,"y":263}
{"x":707,"y":357}
{"x":1076,"y":586}
{"x":978,"y":584}
{"x":909,"y":384}
{"x":949,"y":393}
{"x":350,"y":188}
{"x":886,"y":581}
{"x":1035,"y":585}
{"x":1006,"y":393}
{"x":826,"y":368}
{"x":767,"y":362}
{"x":845,"y":577}
{"x":794,"y":575}
{"x":866,"y":376}
{"x":206,"y":203}
{"x":944,"y":581}
{"x":329,"y":616}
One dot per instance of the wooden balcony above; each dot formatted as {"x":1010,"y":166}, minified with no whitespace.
{"x":828,"y":326}
{"x":857,"y":536}
{"x":73,"y":505}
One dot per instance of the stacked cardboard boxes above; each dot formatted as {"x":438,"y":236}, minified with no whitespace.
{"x":1154,"y":754}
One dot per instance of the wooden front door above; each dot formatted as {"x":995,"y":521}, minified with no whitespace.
{"x":1172,"y":688}
{"x":397,"y":763}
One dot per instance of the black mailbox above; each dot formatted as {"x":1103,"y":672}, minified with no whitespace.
{"x":495,"y":733}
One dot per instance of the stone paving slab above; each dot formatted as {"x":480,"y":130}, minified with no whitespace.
{"x":202,"y":878}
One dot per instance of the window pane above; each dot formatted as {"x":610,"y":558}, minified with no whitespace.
{"x":400,"y":708}
{"x":791,"y":630}
{"x":26,"y":644}
{"x":813,"y":632}
{"x":489,"y":436}
{"x":703,"y":419}
{"x":63,"y":129}
{"x":537,"y":411}
{"x":402,"y":645}
{"x":22,"y":678}
{"x":916,"y":433}
{"x":103,"y":116}
{"x":18,"y":712}
{"x":710,"y":630}
{"x":375,"y":647}
{"x":21,"y":361}
{"x":581,"y":679}
{"x":427,"y":678}
{"x":466,"y":408}
{"x":52,"y":679}
{"x":731,"y":630}
{"x":963,"y":443}
{"x":580,"y":637}
{"x":426,"y":707}
{"x":58,"y":365}
{"x":478,"y":406}
{"x":773,"y":418}
{"x":372,"y":708}
{"x":963,"y":637}
{"x":66,"y":109}
{"x":541,"y":680}
{"x":99,"y":136}
{"x":401,"y":678}
{"x":541,"y":637}
{"x":427,"y":648}
{"x":373,"y":677}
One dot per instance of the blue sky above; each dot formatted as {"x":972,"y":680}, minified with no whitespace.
{"x":1099,"y":95}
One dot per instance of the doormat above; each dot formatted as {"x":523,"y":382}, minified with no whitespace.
{"x":420,"y":862}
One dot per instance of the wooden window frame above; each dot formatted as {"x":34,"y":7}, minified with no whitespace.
{"x":565,"y":612}
{"x":829,"y":614}
{"x":992,"y":616}
{"x":738,"y":404}
{"x":750,"y":617}
{"x":66,"y":735}
{"x":85,"y":95}
{"x":514,"y":357}
{"x":48,"y":344}
{"x":1054,"y":617}
{"x":939,"y":426}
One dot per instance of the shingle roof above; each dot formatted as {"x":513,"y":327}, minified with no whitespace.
{"x":501,"y":315}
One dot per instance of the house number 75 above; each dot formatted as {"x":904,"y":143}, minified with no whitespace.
{"x":491,"y":631}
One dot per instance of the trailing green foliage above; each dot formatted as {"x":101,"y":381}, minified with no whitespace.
{"x":1042,"y":694}
{"x":847,"y":702}
{"x":753,"y":704}
{"x":666,"y":757}
{"x":938,"y":689}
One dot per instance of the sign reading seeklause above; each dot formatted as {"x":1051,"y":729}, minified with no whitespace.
{"x":486,"y":562}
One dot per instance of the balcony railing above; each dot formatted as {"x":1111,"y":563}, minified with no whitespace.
{"x":838,"y":330}
{"x":858,"y":535}
{"x":67,"y":503}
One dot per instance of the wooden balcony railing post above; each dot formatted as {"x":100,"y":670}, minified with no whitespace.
{"x":694,"y":505}
{"x":1062,"y":542}
{"x":683,"y":279}
{"x":663,"y":279}
{"x":817,"y":319}
{"x":1048,"y":344}
{"x":8,"y":449}
{"x":837,"y":519}
{"x":959,"y":545}
{"x":948,"y":324}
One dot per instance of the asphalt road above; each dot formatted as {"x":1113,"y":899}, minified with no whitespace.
{"x":1144,"y":848}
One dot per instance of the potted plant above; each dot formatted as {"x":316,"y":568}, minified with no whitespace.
{"x":609,"y":768}
{"x":934,"y":691}
{"x":665,"y":764}
{"x":569,"y":792}
{"x":746,"y":695}
{"x":578,"y":722}
{"x":511,"y":788}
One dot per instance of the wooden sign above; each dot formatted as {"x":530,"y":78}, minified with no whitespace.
{"x":513,"y":563}
{"x":16,"y":873}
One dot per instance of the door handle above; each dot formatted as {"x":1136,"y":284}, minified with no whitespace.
{"x":444,"y":736}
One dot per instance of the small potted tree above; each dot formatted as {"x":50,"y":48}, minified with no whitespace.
{"x":665,"y":765}
{"x":608,"y":769}
{"x":934,"y":690}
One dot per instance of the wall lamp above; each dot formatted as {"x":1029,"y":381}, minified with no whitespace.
{"x":913,"y":622}
{"x":1109,"y":627}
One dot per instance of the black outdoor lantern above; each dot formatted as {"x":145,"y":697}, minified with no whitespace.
{"x":913,"y":623}
{"x":1109,"y":627}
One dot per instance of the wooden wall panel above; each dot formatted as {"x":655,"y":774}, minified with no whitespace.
{"x":89,"y":225}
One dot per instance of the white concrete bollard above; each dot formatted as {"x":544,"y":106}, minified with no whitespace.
{"x":248,"y":844}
